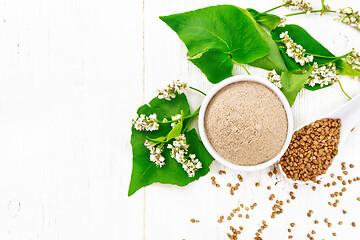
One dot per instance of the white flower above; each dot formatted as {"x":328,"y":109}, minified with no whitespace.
{"x":144,"y":123}
{"x":353,"y":59}
{"x":298,"y":5}
{"x":174,"y":118}
{"x":170,"y":91}
{"x":349,"y":16}
{"x":179,"y":151}
{"x":302,"y":62}
{"x":324,"y":75}
{"x":155,"y":152}
{"x":274,"y":78}
{"x":295,"y":51}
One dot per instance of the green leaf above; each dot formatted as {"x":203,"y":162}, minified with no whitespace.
{"x":189,"y":120}
{"x":197,"y":147}
{"x":216,"y":65}
{"x":166,"y":109}
{"x":292,"y":84}
{"x":302,"y":37}
{"x":157,"y":140}
{"x":176,"y":131}
{"x":316,"y":87}
{"x":345,"y":69}
{"x":270,"y":21}
{"x":144,"y":172}
{"x":215,"y":36}
{"x":273,"y":60}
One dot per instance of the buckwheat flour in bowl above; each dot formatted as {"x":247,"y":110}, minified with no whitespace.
{"x":246,"y":123}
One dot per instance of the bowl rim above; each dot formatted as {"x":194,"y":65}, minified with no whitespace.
{"x":211,"y":94}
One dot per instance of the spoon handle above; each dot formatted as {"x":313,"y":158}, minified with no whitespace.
{"x":349,"y":114}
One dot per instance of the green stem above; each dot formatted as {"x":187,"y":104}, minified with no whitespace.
{"x":193,"y":114}
{"x":195,"y":89}
{"x":191,"y":118}
{"x":171,"y":121}
{"x":322,"y":4}
{"x":324,"y":7}
{"x":186,"y":125}
{"x":320,"y":56}
{"x":315,"y":11}
{"x":272,"y":9}
{"x":244,"y":68}
{"x":328,"y":57}
{"x":343,"y":90}
{"x":186,"y":117}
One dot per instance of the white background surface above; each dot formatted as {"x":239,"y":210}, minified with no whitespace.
{"x":72,"y":74}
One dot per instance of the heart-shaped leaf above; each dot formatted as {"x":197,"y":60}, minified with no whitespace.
{"x":145,"y":172}
{"x":218,"y":36}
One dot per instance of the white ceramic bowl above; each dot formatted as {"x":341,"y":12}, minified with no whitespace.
{"x":221,"y":85}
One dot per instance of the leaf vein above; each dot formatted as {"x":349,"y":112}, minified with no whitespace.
{"x":227,"y":45}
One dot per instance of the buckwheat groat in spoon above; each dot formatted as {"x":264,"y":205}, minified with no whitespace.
{"x":314,"y":146}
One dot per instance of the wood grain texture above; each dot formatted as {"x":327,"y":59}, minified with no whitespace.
{"x":168,"y":209}
{"x":72,"y":74}
{"x":68,"y":70}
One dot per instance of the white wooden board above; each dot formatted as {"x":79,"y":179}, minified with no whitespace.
{"x":72,"y":74}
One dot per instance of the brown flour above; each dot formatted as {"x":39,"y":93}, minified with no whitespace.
{"x":246,"y":123}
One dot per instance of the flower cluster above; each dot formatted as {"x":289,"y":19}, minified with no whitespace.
{"x":349,"y":16}
{"x":155,"y":152}
{"x":297,"y":5}
{"x":295,"y":51}
{"x":174,"y":118}
{"x":147,"y":123}
{"x":274,"y":78}
{"x":324,"y":75}
{"x":179,"y":151}
{"x":353,"y":59}
{"x":170,"y":91}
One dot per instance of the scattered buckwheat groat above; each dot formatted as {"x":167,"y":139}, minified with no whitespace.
{"x":213,"y":181}
{"x":312,"y":150}
{"x":194,"y":220}
{"x":242,"y":213}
